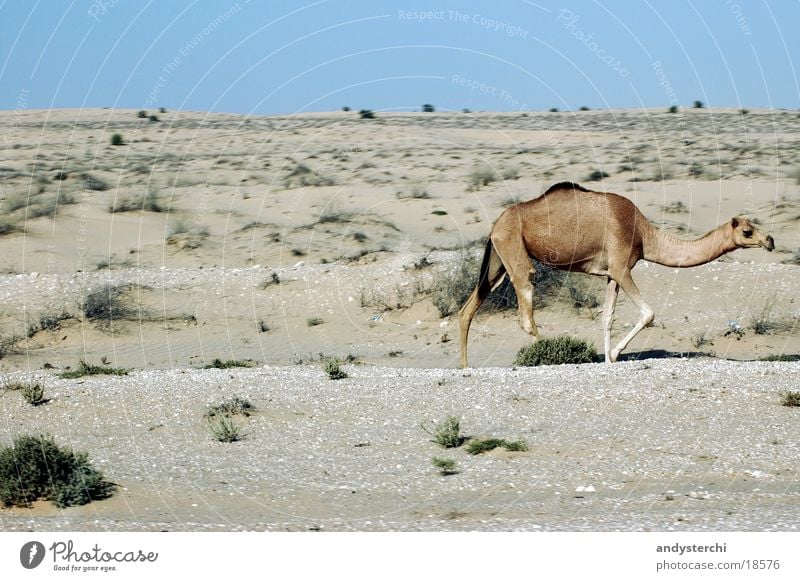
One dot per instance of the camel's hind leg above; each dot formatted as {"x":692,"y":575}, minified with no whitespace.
{"x":625,"y":282}
{"x":612,"y":291}
{"x":518,"y":264}
{"x":491,"y":275}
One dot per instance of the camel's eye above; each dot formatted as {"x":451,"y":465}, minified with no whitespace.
{"x":747,"y":233}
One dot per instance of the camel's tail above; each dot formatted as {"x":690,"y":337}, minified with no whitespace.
{"x":489,"y":277}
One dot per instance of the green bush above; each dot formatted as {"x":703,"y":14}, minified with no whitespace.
{"x":451,"y":289}
{"x":333,"y":367}
{"x":116,"y":139}
{"x":476,"y":447}
{"x":446,"y":466}
{"x":106,"y":304}
{"x":224,"y":429}
{"x":228,"y":364}
{"x":556,"y":351}
{"x":790,"y":399}
{"x":235,"y":406}
{"x":85,"y":369}
{"x":448,"y":433}
{"x":35,"y":467}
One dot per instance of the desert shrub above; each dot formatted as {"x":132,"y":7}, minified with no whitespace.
{"x":142,"y":114}
{"x":676,"y":207}
{"x":582,"y":296}
{"x":764,"y":321}
{"x":48,"y":322}
{"x":553,"y":110}
{"x":477,"y":446}
{"x":446,"y":466}
{"x":106,"y":304}
{"x":85,"y":369}
{"x":314,"y":321}
{"x":790,"y":398}
{"x":7,"y":226}
{"x":696,"y":170}
{"x":148,"y":203}
{"x":418,"y":191}
{"x":218,"y":363}
{"x":782,"y":357}
{"x":556,"y":351}
{"x":274,"y":279}
{"x":302,"y":175}
{"x":234,"y":406}
{"x":482,"y":175}
{"x":793,"y":259}
{"x":32,"y":391}
{"x":673,"y":109}
{"x":116,"y":139}
{"x":450,"y":289}
{"x":224,"y":429}
{"x":366,"y":114}
{"x":220,"y":419}
{"x":332,"y":366}
{"x":93,"y":183}
{"x":584,"y":108}
{"x":448,"y":433}
{"x":597,"y":175}
{"x":428,"y":108}
{"x":332,"y":215}
{"x":698,"y":105}
{"x":35,"y":467}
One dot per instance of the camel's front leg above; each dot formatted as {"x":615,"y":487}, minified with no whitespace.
{"x":627,"y":284}
{"x":612,"y":291}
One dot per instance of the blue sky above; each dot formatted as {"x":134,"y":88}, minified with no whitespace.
{"x":285,"y":57}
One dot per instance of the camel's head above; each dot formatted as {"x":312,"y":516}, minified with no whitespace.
{"x":746,"y":235}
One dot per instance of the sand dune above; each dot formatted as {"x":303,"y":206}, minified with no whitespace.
{"x":225,"y":235}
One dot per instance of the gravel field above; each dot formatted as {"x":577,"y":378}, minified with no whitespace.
{"x":668,"y":444}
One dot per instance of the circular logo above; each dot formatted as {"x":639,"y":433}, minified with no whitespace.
{"x":31,"y":554}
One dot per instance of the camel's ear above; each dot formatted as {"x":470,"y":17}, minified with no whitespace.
{"x":735,"y":223}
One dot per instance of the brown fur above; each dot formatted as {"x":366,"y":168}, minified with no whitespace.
{"x":602,"y":234}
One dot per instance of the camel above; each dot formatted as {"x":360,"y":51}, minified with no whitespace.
{"x":598,"y":233}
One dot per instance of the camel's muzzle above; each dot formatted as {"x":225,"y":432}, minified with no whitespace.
{"x":769,"y":244}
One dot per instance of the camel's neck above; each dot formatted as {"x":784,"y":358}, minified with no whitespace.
{"x":663,"y":248}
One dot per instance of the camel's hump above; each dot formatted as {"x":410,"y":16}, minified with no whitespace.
{"x":566,"y":186}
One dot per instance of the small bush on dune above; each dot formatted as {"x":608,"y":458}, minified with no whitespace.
{"x":446,"y":466}
{"x":448,"y":433}
{"x":451,"y":289}
{"x":85,"y":369}
{"x":35,"y":467}
{"x":476,"y":447}
{"x":556,"y":351}
{"x":106,"y":304}
{"x":790,"y":399}
{"x":332,"y":366}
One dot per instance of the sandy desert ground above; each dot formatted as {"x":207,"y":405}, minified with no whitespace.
{"x":284,"y":240}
